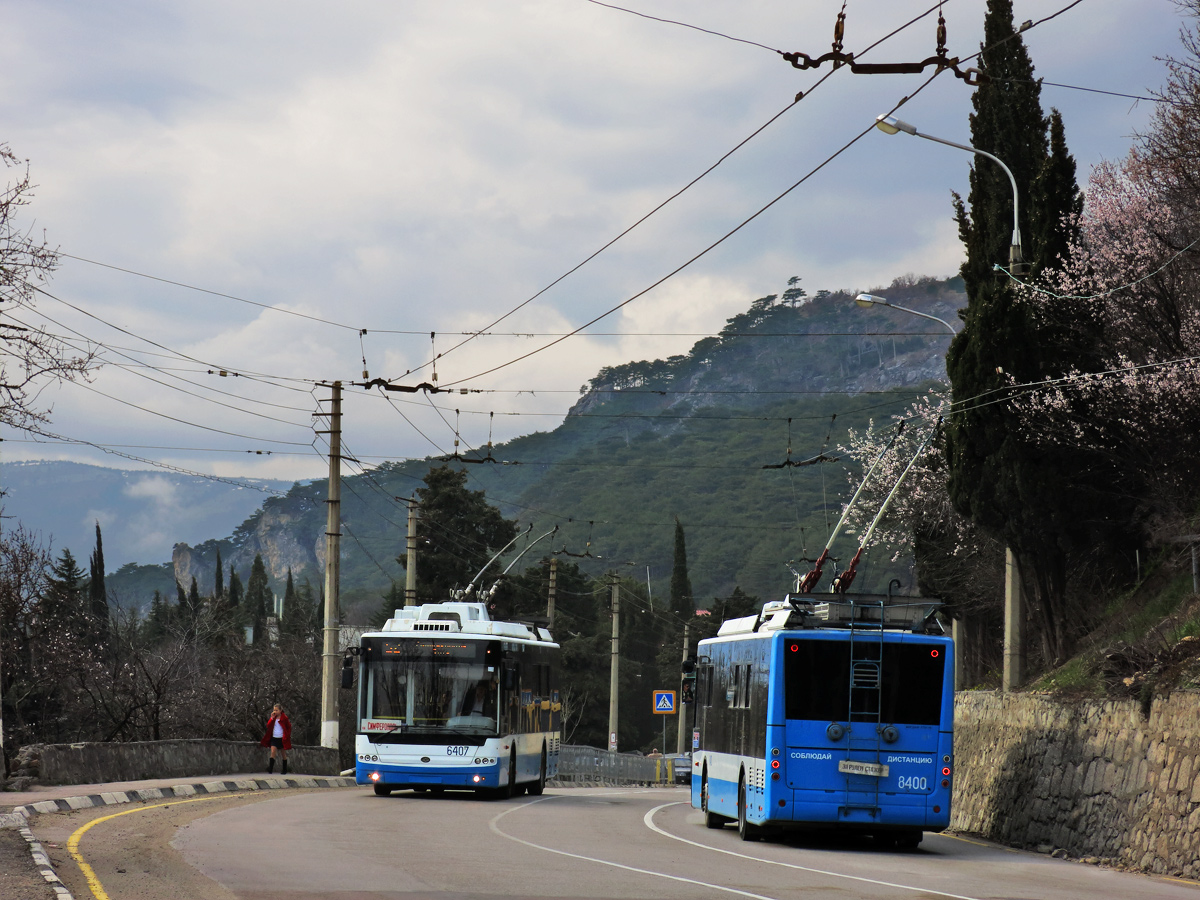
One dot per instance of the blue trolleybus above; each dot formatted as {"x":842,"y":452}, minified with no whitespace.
{"x":449,"y":699}
{"x":827,"y":712}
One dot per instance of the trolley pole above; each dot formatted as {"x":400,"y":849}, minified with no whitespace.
{"x":616,"y":659}
{"x":333,"y":547}
{"x":410,"y":561}
{"x":553,"y":589}
{"x":680,"y":714}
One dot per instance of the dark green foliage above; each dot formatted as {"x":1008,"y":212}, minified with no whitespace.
{"x":1037,"y":501}
{"x":193,"y":600}
{"x":391,"y":601}
{"x":97,"y":593}
{"x":219,"y":579}
{"x":235,"y":590}
{"x":300,"y":614}
{"x":683,"y":604}
{"x":158,"y":622}
{"x":258,"y":600}
{"x":458,"y":532}
{"x":63,"y":608}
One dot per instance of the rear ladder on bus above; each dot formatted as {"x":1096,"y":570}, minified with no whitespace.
{"x":866,"y":689}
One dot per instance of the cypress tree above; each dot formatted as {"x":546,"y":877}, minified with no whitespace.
{"x":290,"y":621}
{"x":682,"y":602}
{"x":219,"y":582}
{"x":97,"y":593}
{"x":194,"y":600}
{"x":999,"y":477}
{"x":258,"y":599}
{"x":236,"y":593}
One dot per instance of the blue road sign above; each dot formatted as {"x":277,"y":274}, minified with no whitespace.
{"x":664,"y":703}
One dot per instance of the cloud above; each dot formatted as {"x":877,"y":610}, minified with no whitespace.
{"x":417,"y":168}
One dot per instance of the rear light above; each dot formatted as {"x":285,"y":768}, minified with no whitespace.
{"x":477,"y":778}
{"x":374,"y":776}
{"x":774,"y":764}
{"x":945,"y":770}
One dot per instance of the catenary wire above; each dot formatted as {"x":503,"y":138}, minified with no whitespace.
{"x":669,"y":199}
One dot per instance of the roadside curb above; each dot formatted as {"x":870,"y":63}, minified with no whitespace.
{"x":19,"y":817}
{"x":41,"y":859}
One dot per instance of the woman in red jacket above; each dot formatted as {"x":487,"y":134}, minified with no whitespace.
{"x":279,"y":735}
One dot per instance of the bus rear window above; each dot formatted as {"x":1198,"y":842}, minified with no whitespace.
{"x":817,"y":682}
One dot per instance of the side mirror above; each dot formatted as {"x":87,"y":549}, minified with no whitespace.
{"x":347,"y":673}
{"x":510,"y":678}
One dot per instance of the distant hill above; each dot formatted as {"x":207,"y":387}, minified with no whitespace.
{"x":647,"y":442}
{"x":651,"y":440}
{"x":142,"y":513}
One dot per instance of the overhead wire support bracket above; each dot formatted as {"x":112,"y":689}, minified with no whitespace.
{"x":424,"y":386}
{"x":789,"y":463}
{"x":839,"y":58}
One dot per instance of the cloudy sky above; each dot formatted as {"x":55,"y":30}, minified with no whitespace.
{"x":429,"y":165}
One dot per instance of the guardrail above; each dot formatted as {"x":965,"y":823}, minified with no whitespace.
{"x":588,"y":765}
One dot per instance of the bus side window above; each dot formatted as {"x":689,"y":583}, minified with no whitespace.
{"x":732,"y":697}
{"x":708,"y":685}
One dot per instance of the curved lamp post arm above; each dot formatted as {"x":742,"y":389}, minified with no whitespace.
{"x":874,"y":300}
{"x":892,"y":125}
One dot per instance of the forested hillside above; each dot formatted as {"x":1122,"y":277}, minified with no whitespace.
{"x":651,"y":441}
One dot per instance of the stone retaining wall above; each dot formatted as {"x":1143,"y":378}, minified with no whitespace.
{"x":1098,"y":779}
{"x":97,"y":763}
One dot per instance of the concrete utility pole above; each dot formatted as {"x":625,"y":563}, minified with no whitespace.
{"x":333,"y":549}
{"x":616,"y":659}
{"x":553,"y":590}
{"x":682,"y":710}
{"x":410,"y":562}
{"x":1014,"y":624}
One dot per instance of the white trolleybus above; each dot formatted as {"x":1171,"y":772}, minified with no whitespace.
{"x":449,"y":699}
{"x":827,"y":712}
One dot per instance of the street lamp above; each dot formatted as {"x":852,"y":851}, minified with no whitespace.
{"x":868,"y":300}
{"x":891,"y":125}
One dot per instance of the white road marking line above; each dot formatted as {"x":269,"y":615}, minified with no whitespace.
{"x":648,"y":819}
{"x":616,"y":865}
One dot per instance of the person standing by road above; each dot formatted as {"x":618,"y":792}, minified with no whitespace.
{"x":278,"y":737}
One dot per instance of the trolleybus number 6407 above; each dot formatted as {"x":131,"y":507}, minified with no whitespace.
{"x":457,"y":751}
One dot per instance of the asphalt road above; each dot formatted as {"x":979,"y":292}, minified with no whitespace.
{"x":591,"y":843}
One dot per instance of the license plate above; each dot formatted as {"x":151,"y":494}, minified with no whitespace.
{"x":854,"y":767}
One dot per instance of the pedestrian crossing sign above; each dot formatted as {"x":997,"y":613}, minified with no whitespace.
{"x":664,"y":703}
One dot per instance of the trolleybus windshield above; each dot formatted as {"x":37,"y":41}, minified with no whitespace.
{"x":433,"y":686}
{"x":909,"y":678}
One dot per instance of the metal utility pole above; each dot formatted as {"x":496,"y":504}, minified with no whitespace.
{"x":682,"y":713}
{"x":410,"y":561}
{"x":553,"y":590}
{"x":333,"y":548}
{"x":616,"y":659}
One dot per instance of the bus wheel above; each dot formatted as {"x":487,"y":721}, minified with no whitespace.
{"x":383,"y":790}
{"x":909,"y":840}
{"x":711,"y":820}
{"x":746,"y":831}
{"x":510,"y":789}
{"x":535,"y":789}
